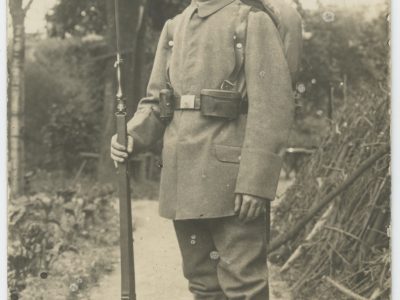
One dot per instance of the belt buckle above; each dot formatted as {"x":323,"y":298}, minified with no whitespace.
{"x":187,"y":101}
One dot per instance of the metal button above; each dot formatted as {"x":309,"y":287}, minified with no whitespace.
{"x":170,"y":43}
{"x":193,"y":242}
{"x":301,"y":88}
{"x":214,"y":255}
{"x":193,"y":236}
{"x":239,"y":158}
{"x":239,"y":45}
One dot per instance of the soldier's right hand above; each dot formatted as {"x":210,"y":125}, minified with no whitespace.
{"x":119,"y":152}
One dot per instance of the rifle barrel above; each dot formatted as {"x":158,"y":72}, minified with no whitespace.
{"x":128,"y":291}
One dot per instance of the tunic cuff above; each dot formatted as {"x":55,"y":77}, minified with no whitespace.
{"x":258,"y":173}
{"x":145,"y":128}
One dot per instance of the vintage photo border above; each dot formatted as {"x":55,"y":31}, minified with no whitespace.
{"x":3,"y":154}
{"x":395,"y":49}
{"x":395,"y":205}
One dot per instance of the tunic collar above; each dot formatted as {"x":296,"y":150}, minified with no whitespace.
{"x":206,"y":8}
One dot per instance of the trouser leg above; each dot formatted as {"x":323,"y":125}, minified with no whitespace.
{"x":242,"y":267}
{"x":199,"y":264}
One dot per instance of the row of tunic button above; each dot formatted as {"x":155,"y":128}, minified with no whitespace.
{"x":214,"y":255}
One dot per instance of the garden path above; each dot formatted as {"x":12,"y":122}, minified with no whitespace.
{"x":158,"y":264}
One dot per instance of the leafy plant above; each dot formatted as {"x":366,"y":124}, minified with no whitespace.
{"x":43,"y":227}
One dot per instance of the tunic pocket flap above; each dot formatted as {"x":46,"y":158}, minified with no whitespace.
{"x":228,"y":153}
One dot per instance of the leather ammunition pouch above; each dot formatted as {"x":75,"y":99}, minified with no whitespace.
{"x":221,"y":104}
{"x":167,"y":104}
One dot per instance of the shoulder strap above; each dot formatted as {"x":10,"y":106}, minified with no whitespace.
{"x":239,"y":40}
{"x":168,"y":45}
{"x":267,"y":8}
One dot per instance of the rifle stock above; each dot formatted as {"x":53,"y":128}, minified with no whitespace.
{"x":126,"y":239}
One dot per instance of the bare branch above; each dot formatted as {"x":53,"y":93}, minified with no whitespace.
{"x":344,"y":289}
{"x":288,"y":235}
{"x":28,"y":5}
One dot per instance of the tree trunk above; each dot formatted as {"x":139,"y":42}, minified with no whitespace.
{"x":141,"y":77}
{"x":129,"y":11}
{"x":16,"y":99}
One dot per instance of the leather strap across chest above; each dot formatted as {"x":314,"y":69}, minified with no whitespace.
{"x":239,"y":40}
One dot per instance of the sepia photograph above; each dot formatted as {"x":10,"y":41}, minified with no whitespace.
{"x":198,"y":149}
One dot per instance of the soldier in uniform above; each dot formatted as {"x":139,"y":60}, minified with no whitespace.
{"x":220,"y":97}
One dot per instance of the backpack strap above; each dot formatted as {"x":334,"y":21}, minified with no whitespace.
{"x":239,"y":40}
{"x":169,"y":45}
{"x":240,"y":36}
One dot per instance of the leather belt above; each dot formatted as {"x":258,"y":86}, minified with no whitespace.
{"x":193,"y":102}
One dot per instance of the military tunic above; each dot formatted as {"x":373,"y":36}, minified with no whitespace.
{"x":205,"y":160}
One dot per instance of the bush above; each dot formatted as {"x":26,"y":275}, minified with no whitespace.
{"x":43,"y":227}
{"x":64,"y":89}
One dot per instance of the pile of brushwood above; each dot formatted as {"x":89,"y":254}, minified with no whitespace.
{"x":333,"y":224}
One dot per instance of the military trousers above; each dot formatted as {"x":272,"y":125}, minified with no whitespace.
{"x":224,"y":258}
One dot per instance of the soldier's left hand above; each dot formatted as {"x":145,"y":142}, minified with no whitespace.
{"x":249,"y":207}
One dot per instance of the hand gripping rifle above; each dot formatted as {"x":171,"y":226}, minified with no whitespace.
{"x":126,"y":239}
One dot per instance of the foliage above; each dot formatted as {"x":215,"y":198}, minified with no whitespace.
{"x":42,"y":228}
{"x":339,"y":42}
{"x":72,"y":275}
{"x":344,"y":50}
{"x":64,"y":86}
{"x":77,"y":18}
{"x":162,"y":10}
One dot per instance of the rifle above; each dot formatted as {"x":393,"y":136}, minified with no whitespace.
{"x":126,"y":240}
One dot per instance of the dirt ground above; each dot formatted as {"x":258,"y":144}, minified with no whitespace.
{"x":158,"y":263}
